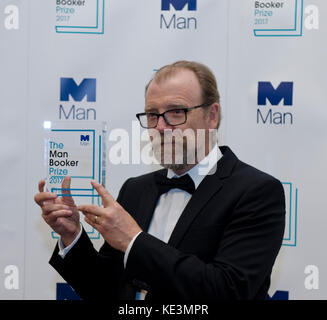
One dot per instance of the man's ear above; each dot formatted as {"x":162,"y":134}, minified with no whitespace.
{"x":214,"y":115}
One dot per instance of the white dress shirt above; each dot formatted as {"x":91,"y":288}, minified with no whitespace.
{"x":170,"y":205}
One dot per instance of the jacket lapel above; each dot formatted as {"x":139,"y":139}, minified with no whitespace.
{"x":209,"y":186}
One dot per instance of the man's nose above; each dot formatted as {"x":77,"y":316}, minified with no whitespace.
{"x":162,"y":125}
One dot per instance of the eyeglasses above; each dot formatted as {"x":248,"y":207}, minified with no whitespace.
{"x":174,"y":117}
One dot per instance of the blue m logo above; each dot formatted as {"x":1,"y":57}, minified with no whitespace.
{"x":86,"y":88}
{"x":178,"y":4}
{"x":85,"y":137}
{"x":283,"y":91}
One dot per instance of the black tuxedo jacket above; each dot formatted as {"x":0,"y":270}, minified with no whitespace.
{"x":223,"y":246}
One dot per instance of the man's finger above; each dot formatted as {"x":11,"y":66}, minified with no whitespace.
{"x":41,"y":197}
{"x":65,"y":186}
{"x":58,"y":214}
{"x":106,"y":197}
{"x":90,"y":209}
{"x":91,"y":223}
{"x":65,"y":189}
{"x":51,"y":207}
{"x":41,"y":185}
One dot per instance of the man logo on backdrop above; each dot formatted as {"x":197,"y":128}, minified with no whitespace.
{"x":283,"y":18}
{"x":83,"y":92}
{"x":65,"y":292}
{"x":178,"y":15}
{"x":178,"y":4}
{"x":80,"y":16}
{"x":266,"y":91}
{"x":87,"y":88}
{"x":278,"y":295}
{"x":269,"y":97}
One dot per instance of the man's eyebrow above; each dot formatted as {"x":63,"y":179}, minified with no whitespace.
{"x":175,"y":106}
{"x":150,"y":109}
{"x":170,"y":106}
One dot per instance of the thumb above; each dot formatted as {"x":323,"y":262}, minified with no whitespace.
{"x":66,"y":195}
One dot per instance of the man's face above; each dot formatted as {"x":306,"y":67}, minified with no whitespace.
{"x":181,"y":90}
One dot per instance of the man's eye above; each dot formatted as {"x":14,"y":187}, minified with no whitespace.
{"x":177,"y":111}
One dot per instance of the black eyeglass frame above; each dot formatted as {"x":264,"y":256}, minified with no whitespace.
{"x":186,"y":110}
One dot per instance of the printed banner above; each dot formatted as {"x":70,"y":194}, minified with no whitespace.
{"x":80,"y":61}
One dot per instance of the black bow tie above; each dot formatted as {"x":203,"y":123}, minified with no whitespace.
{"x":164,"y":184}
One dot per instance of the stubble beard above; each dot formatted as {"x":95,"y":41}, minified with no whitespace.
{"x":175,"y":153}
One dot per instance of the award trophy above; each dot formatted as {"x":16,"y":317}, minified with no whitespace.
{"x":76,"y":149}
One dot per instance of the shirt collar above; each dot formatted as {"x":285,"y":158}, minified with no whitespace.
{"x":201,"y":169}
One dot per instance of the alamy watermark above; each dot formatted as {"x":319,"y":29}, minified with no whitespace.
{"x":173,"y":149}
{"x":11,"y":281}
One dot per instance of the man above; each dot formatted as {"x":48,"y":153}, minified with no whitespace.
{"x":213,"y":235}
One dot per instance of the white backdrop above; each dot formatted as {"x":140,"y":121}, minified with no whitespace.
{"x":272,"y":49}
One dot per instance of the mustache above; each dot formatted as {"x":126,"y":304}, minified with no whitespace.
{"x":167,"y":137}
{"x":171,"y":148}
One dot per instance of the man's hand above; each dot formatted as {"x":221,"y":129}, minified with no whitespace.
{"x":113,"y":222}
{"x":60,"y":214}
